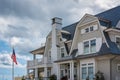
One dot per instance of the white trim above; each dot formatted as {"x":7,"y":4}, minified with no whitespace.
{"x":89,"y":44}
{"x":101,"y":30}
{"x":111,"y":29}
{"x":86,"y":61}
{"x":95,"y":27}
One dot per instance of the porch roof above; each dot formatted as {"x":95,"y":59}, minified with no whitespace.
{"x":38,"y":51}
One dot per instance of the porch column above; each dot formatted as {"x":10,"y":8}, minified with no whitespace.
{"x":36,"y":73}
{"x":27,"y":73}
{"x":58,"y":72}
{"x":45,"y":73}
{"x":34,"y":56}
{"x":72,"y":70}
{"x":78,"y":71}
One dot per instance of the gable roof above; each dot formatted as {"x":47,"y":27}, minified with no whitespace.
{"x":113,"y":15}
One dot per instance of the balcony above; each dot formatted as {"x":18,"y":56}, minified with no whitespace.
{"x":38,"y":63}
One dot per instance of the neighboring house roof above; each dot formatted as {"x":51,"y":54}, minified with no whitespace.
{"x":112,"y":15}
{"x":70,"y":28}
{"x":112,"y":45}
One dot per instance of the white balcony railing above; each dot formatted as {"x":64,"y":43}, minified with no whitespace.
{"x":32,"y":63}
{"x":38,"y":62}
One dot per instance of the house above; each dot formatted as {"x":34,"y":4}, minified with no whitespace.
{"x":81,"y":49}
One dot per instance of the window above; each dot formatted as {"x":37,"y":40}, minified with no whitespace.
{"x":62,"y":70}
{"x":62,"y":52}
{"x":118,"y":42}
{"x":93,"y":46}
{"x":84,"y":73}
{"x":118,"y":67}
{"x":87,"y":70}
{"x":86,"y":30}
{"x":90,"y":46}
{"x":86,"y":47}
{"x":49,"y":55}
{"x":91,"y":28}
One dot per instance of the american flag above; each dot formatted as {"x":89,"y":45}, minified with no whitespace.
{"x":13,"y":56}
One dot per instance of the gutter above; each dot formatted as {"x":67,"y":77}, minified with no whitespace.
{"x":111,"y":66}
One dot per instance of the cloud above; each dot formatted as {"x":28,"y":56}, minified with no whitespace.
{"x":28,"y":22}
{"x":6,"y":61}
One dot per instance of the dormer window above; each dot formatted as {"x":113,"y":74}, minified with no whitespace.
{"x":118,"y":42}
{"x":62,"y":52}
{"x":90,"y":46}
{"x":89,"y":29}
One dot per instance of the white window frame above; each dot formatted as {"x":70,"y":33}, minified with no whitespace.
{"x":83,"y":31}
{"x":89,"y":45}
{"x":116,"y":37}
{"x":86,"y":62}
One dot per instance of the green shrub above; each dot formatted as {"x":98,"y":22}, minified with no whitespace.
{"x":53,"y":77}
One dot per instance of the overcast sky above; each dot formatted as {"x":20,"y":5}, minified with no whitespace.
{"x":26,"y":23}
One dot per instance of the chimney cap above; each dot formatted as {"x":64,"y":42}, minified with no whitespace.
{"x":56,"y":20}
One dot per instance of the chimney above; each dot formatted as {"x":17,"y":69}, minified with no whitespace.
{"x":57,"y":23}
{"x":56,"y":27}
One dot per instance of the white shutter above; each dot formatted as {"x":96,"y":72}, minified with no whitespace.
{"x":80,"y":48}
{"x":98,"y":44}
{"x":82,"y":31}
{"x":95,"y":27}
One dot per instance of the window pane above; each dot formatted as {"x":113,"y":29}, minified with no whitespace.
{"x":118,"y":42}
{"x":91,"y":28}
{"x":90,"y":73}
{"x":86,"y":47}
{"x":62,"y":52}
{"x":87,"y":30}
{"x":62,"y":73}
{"x":84,"y":73}
{"x":93,"y":46}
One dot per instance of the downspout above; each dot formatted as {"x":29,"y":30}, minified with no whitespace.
{"x":111,"y":66}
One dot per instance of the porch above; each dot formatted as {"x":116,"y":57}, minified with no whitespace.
{"x":68,"y":70}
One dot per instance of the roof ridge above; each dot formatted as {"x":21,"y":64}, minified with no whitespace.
{"x":108,"y":10}
{"x":70,"y":25}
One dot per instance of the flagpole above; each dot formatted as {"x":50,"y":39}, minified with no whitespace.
{"x":12,"y":70}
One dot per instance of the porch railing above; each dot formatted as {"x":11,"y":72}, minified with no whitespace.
{"x":42,"y":78}
{"x":35,"y":62}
